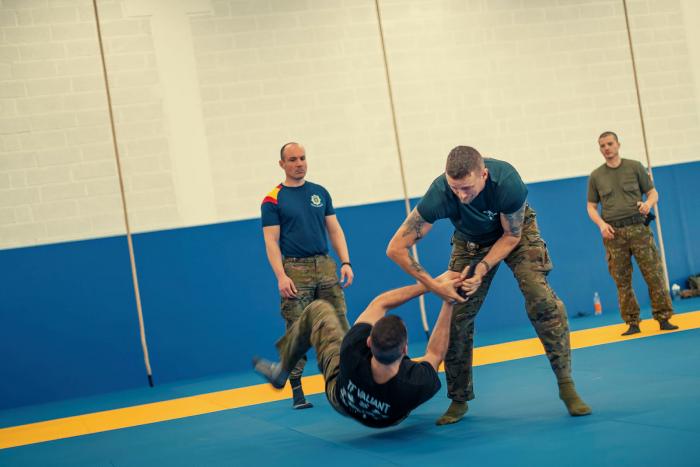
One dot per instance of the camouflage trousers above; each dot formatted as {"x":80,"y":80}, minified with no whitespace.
{"x":315,"y":277}
{"x":530,"y":264}
{"x":319,"y":327}
{"x":638,"y":241}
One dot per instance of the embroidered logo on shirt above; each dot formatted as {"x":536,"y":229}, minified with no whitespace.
{"x":316,"y":201}
{"x":490,"y":214}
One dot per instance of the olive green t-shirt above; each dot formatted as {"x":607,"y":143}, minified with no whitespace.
{"x":478,"y":221}
{"x":619,"y":189}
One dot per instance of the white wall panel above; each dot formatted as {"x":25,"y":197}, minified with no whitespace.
{"x":532,"y":82}
{"x":54,"y":133}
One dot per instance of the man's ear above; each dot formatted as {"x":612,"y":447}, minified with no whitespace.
{"x":369,"y":341}
{"x":281,"y":162}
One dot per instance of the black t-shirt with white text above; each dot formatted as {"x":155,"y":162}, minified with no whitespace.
{"x":380,"y":405}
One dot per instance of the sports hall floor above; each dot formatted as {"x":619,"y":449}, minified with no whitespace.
{"x":644,"y":391}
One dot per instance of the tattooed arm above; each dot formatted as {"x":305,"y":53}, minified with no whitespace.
{"x":413,"y":229}
{"x":512,"y":230}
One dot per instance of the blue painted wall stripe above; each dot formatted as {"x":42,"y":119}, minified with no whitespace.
{"x":68,"y":321}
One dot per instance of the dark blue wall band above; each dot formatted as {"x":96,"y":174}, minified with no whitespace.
{"x":68,"y":323}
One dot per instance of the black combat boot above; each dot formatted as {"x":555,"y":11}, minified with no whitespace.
{"x":665,"y":325}
{"x":633,"y":329}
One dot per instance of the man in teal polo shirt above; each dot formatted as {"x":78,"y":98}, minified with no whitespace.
{"x":485,"y":199}
{"x":296,"y":215}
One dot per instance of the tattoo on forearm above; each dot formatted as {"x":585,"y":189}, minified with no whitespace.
{"x":416,"y":266}
{"x":515,"y":221}
{"x":414,"y":225}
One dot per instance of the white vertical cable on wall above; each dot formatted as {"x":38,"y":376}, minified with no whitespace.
{"x":132,"y":258}
{"x":644,"y":138}
{"x":414,"y":249}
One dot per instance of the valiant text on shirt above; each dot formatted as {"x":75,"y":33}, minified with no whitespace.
{"x":364,"y":404}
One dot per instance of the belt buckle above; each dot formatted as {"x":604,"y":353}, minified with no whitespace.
{"x":471,"y":246}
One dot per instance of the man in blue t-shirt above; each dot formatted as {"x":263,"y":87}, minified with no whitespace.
{"x":296,"y":215}
{"x":485,"y":199}
{"x":367,"y":373}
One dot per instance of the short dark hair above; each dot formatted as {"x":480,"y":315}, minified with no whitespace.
{"x":608,"y":133}
{"x":389,"y":338}
{"x":284,"y":146}
{"x":462,"y":161}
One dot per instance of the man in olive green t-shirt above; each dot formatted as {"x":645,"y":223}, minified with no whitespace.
{"x":618,"y":185}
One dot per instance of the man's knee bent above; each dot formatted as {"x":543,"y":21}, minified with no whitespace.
{"x":319,"y":309}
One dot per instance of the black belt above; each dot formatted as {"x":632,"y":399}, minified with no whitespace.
{"x":627,"y":221}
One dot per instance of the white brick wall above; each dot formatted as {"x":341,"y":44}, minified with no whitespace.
{"x":530,"y":81}
{"x":535,"y":83}
{"x":305,"y":71}
{"x":48,"y":101}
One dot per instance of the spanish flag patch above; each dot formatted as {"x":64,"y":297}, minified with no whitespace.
{"x":272,"y":196}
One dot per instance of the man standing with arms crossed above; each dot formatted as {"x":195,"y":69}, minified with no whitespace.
{"x":296,"y":216}
{"x":485,"y":201}
{"x":618,"y":185}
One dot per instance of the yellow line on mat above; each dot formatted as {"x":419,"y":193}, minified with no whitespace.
{"x":241,"y":397}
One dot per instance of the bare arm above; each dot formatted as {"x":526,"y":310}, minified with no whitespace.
{"x":340,"y":246}
{"x":512,"y":230}
{"x":286,"y":286}
{"x":440,"y":338}
{"x":606,"y":229}
{"x":397,"y":297}
{"x":413,"y":229}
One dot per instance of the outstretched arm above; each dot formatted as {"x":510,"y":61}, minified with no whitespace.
{"x":440,"y":338}
{"x":413,"y":229}
{"x":397,"y":297}
{"x":387,"y":301}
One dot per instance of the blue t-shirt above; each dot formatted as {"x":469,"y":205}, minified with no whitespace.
{"x":301,"y":214}
{"x":478,"y":221}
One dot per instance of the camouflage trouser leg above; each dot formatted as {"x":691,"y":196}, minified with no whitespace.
{"x":291,"y":311}
{"x":619,"y":257}
{"x":314,"y":277}
{"x":329,"y":289}
{"x":649,"y":262}
{"x":637,"y":240}
{"x":530,"y":264}
{"x":318,"y":326}
{"x":459,"y":358}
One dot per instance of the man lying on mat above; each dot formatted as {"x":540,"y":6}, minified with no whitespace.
{"x":368,"y":374}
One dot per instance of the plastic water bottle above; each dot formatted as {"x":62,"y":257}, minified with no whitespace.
{"x":675,"y":291}
{"x":597,"y":306}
